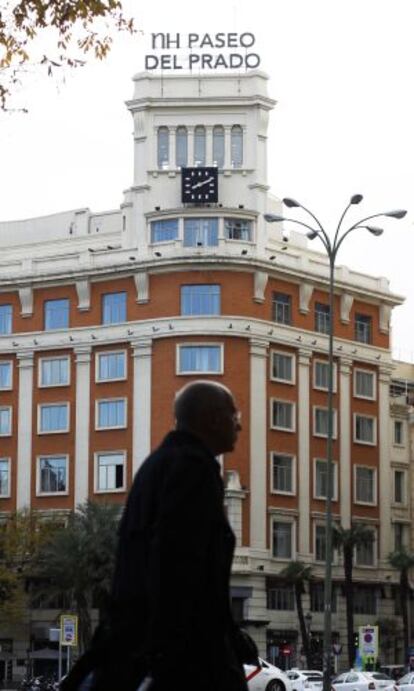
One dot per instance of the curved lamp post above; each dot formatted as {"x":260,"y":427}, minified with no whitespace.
{"x":331,"y":246}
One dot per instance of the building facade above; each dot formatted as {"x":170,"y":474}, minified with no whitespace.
{"x":104,"y":316}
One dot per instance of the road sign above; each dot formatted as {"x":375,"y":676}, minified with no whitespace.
{"x":69,"y":629}
{"x":286,"y":650}
{"x":337,"y":648}
{"x":368,"y":641}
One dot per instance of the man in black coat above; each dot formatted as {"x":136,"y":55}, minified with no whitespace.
{"x":170,"y":616}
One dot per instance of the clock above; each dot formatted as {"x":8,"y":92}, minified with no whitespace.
{"x":199,"y":185}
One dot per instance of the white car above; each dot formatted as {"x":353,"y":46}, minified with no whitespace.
{"x":405,"y":683}
{"x":361,"y":681}
{"x":305,"y":679}
{"x":267,"y":677}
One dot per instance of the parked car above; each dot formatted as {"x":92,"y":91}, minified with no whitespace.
{"x":305,"y":679}
{"x":394,"y":671}
{"x":361,"y":681}
{"x":267,"y":677}
{"x":405,"y":683}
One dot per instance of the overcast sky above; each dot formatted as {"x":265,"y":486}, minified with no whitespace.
{"x":342,"y":74}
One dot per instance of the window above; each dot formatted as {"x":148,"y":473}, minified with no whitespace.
{"x":110,"y":472}
{"x":281,"y":597}
{"x":200,"y":232}
{"x":365,"y":552}
{"x":6,"y":318}
{"x":398,"y":432}
{"x":320,"y":422}
{"x":200,"y":299}
{"x":236,"y":146}
{"x":6,"y":370}
{"x":364,"y":429}
{"x":317,"y":597}
{"x":283,"y":415}
{"x":218,"y":146}
{"x":164,"y":230}
{"x":237,"y":229}
{"x":53,"y":417}
{"x":322,"y":317}
{"x":282,"y":308}
{"x":400,"y":536}
{"x":399,"y":487}
{"x":111,"y":366}
{"x":4,"y":477}
{"x":163,"y":146}
{"x":54,"y":371}
{"x":181,"y":147}
{"x":282,"y":539}
{"x":321,"y":480}
{"x":111,"y":413}
{"x":5,"y":421}
{"x":114,"y":308}
{"x":283,"y":468}
{"x":200,"y":146}
{"x":321,"y":375}
{"x":56,"y":314}
{"x":365,"y":485}
{"x":364,"y":384}
{"x":363,"y":328}
{"x":52,"y":475}
{"x":196,"y":359}
{"x":320,"y":543}
{"x":365,"y":599}
{"x":283,"y":367}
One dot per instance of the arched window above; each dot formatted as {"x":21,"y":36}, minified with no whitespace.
{"x":163,"y":145}
{"x":181,"y":147}
{"x":218,"y":146}
{"x":236,"y":146}
{"x":200,"y":146}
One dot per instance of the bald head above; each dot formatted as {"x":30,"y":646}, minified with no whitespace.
{"x":207,"y":410}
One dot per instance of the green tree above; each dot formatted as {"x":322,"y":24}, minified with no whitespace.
{"x":347,"y":540}
{"x":71,"y":29}
{"x":403,"y":561}
{"x":297,"y":573}
{"x":389,"y":634}
{"x":77,"y":563}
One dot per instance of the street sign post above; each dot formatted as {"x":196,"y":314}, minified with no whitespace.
{"x":368,"y":643}
{"x":68,"y":637}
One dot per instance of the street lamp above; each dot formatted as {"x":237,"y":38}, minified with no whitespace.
{"x":331,"y":246}
{"x":308,"y":620}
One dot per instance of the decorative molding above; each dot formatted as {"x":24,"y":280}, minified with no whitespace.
{"x":260,"y":283}
{"x":259,"y":347}
{"x":141,"y":279}
{"x":304,"y":357}
{"x":141,"y":347}
{"x":346,"y":305}
{"x":305,"y":294}
{"x":345,"y":366}
{"x":25,"y":359}
{"x":384,"y":318}
{"x":83,"y":289}
{"x":26,"y":301}
{"x":83,"y":354}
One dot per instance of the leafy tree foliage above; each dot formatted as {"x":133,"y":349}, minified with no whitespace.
{"x":403,"y":561}
{"x":297,"y":573}
{"x":72,"y":28}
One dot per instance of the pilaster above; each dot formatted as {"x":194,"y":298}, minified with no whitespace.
{"x":25,"y":424}
{"x":304,"y":357}
{"x":383,"y":436}
{"x":83,"y":386}
{"x":141,"y":426}
{"x":345,"y":369}
{"x":258,"y":445}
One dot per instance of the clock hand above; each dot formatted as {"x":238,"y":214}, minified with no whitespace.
{"x":200,"y":184}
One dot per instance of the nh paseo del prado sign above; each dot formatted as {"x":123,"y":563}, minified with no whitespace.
{"x":193,"y":51}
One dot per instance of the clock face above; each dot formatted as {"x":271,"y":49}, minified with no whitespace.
{"x":199,"y":185}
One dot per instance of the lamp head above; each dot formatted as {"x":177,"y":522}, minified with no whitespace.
{"x":356,"y":199}
{"x":311,"y":234}
{"x":399,"y":213}
{"x":273,"y":218}
{"x":375,"y":230}
{"x":290,"y":202}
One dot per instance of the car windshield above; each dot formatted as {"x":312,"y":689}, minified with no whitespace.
{"x":313,"y":676}
{"x":379,"y":675}
{"x":406,"y":679}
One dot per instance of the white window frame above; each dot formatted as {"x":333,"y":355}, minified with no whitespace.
{"x":39,"y":493}
{"x":197,"y":344}
{"x":117,"y":490}
{"x":49,"y":405}
{"x":361,"y":441}
{"x":111,"y":399}
{"x":273,"y":489}
{"x":334,"y":375}
{"x":279,"y":518}
{"x":292,"y":357}
{"x":98,"y":354}
{"x":405,"y":494}
{"x":9,"y":433}
{"x":374,"y":489}
{"x":334,"y":425}
{"x":8,"y":362}
{"x":283,"y":429}
{"x":320,"y":524}
{"x":374,"y":564}
{"x":8,"y":459}
{"x":400,"y":445}
{"x":374,"y":388}
{"x":335,"y":479}
{"x":39,"y":374}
